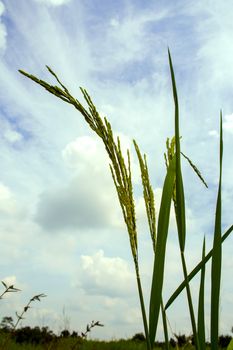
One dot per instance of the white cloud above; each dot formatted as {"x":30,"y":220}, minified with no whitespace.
{"x":2,"y":8}
{"x":80,"y":204}
{"x":3,"y":32}
{"x":133,"y":316}
{"x":128,"y":37}
{"x":213,"y":133}
{"x":114,"y":22}
{"x":89,"y":199}
{"x":10,"y":280}
{"x":9,"y":133}
{"x":216,"y":51}
{"x":101,"y":275}
{"x":53,"y":2}
{"x":13,"y":136}
{"x":7,"y":201}
{"x":228,"y":124}
{"x":3,"y":35}
{"x":85,"y":153}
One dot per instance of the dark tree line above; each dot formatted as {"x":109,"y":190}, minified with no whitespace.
{"x":32,"y":335}
{"x":182,"y":340}
{"x":41,"y":335}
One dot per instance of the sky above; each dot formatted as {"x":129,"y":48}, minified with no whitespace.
{"x":61,"y":226}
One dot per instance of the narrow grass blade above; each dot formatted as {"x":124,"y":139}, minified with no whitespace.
{"x":180,"y":207}
{"x":216,"y":258}
{"x":180,"y":204}
{"x":201,"y":304}
{"x":165,"y":328}
{"x":230,"y":345}
{"x":195,"y":270}
{"x":162,"y":232}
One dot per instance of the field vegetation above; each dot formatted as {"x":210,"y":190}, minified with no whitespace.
{"x":13,"y":336}
{"x":172,"y":194}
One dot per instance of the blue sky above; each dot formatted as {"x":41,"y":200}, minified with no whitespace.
{"x":61,"y":227}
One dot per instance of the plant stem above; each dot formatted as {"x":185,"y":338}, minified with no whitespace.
{"x":144,"y":318}
{"x":217,"y":256}
{"x":189,"y":297}
{"x":165,"y":330}
{"x":201,"y":304}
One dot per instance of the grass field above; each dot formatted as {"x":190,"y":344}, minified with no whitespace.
{"x":68,"y":344}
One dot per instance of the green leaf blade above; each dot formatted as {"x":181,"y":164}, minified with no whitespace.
{"x":201,"y":303}
{"x":230,"y":345}
{"x":162,"y":232}
{"x":180,"y":204}
{"x":216,"y":258}
{"x":180,"y":201}
{"x":196,"y":269}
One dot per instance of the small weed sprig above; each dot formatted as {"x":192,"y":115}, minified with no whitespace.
{"x":89,"y":327}
{"x":25,"y":309}
{"x":9,"y":289}
{"x":83,"y":335}
{"x":20,"y":317}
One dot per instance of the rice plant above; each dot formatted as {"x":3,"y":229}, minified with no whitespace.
{"x":173,"y":192}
